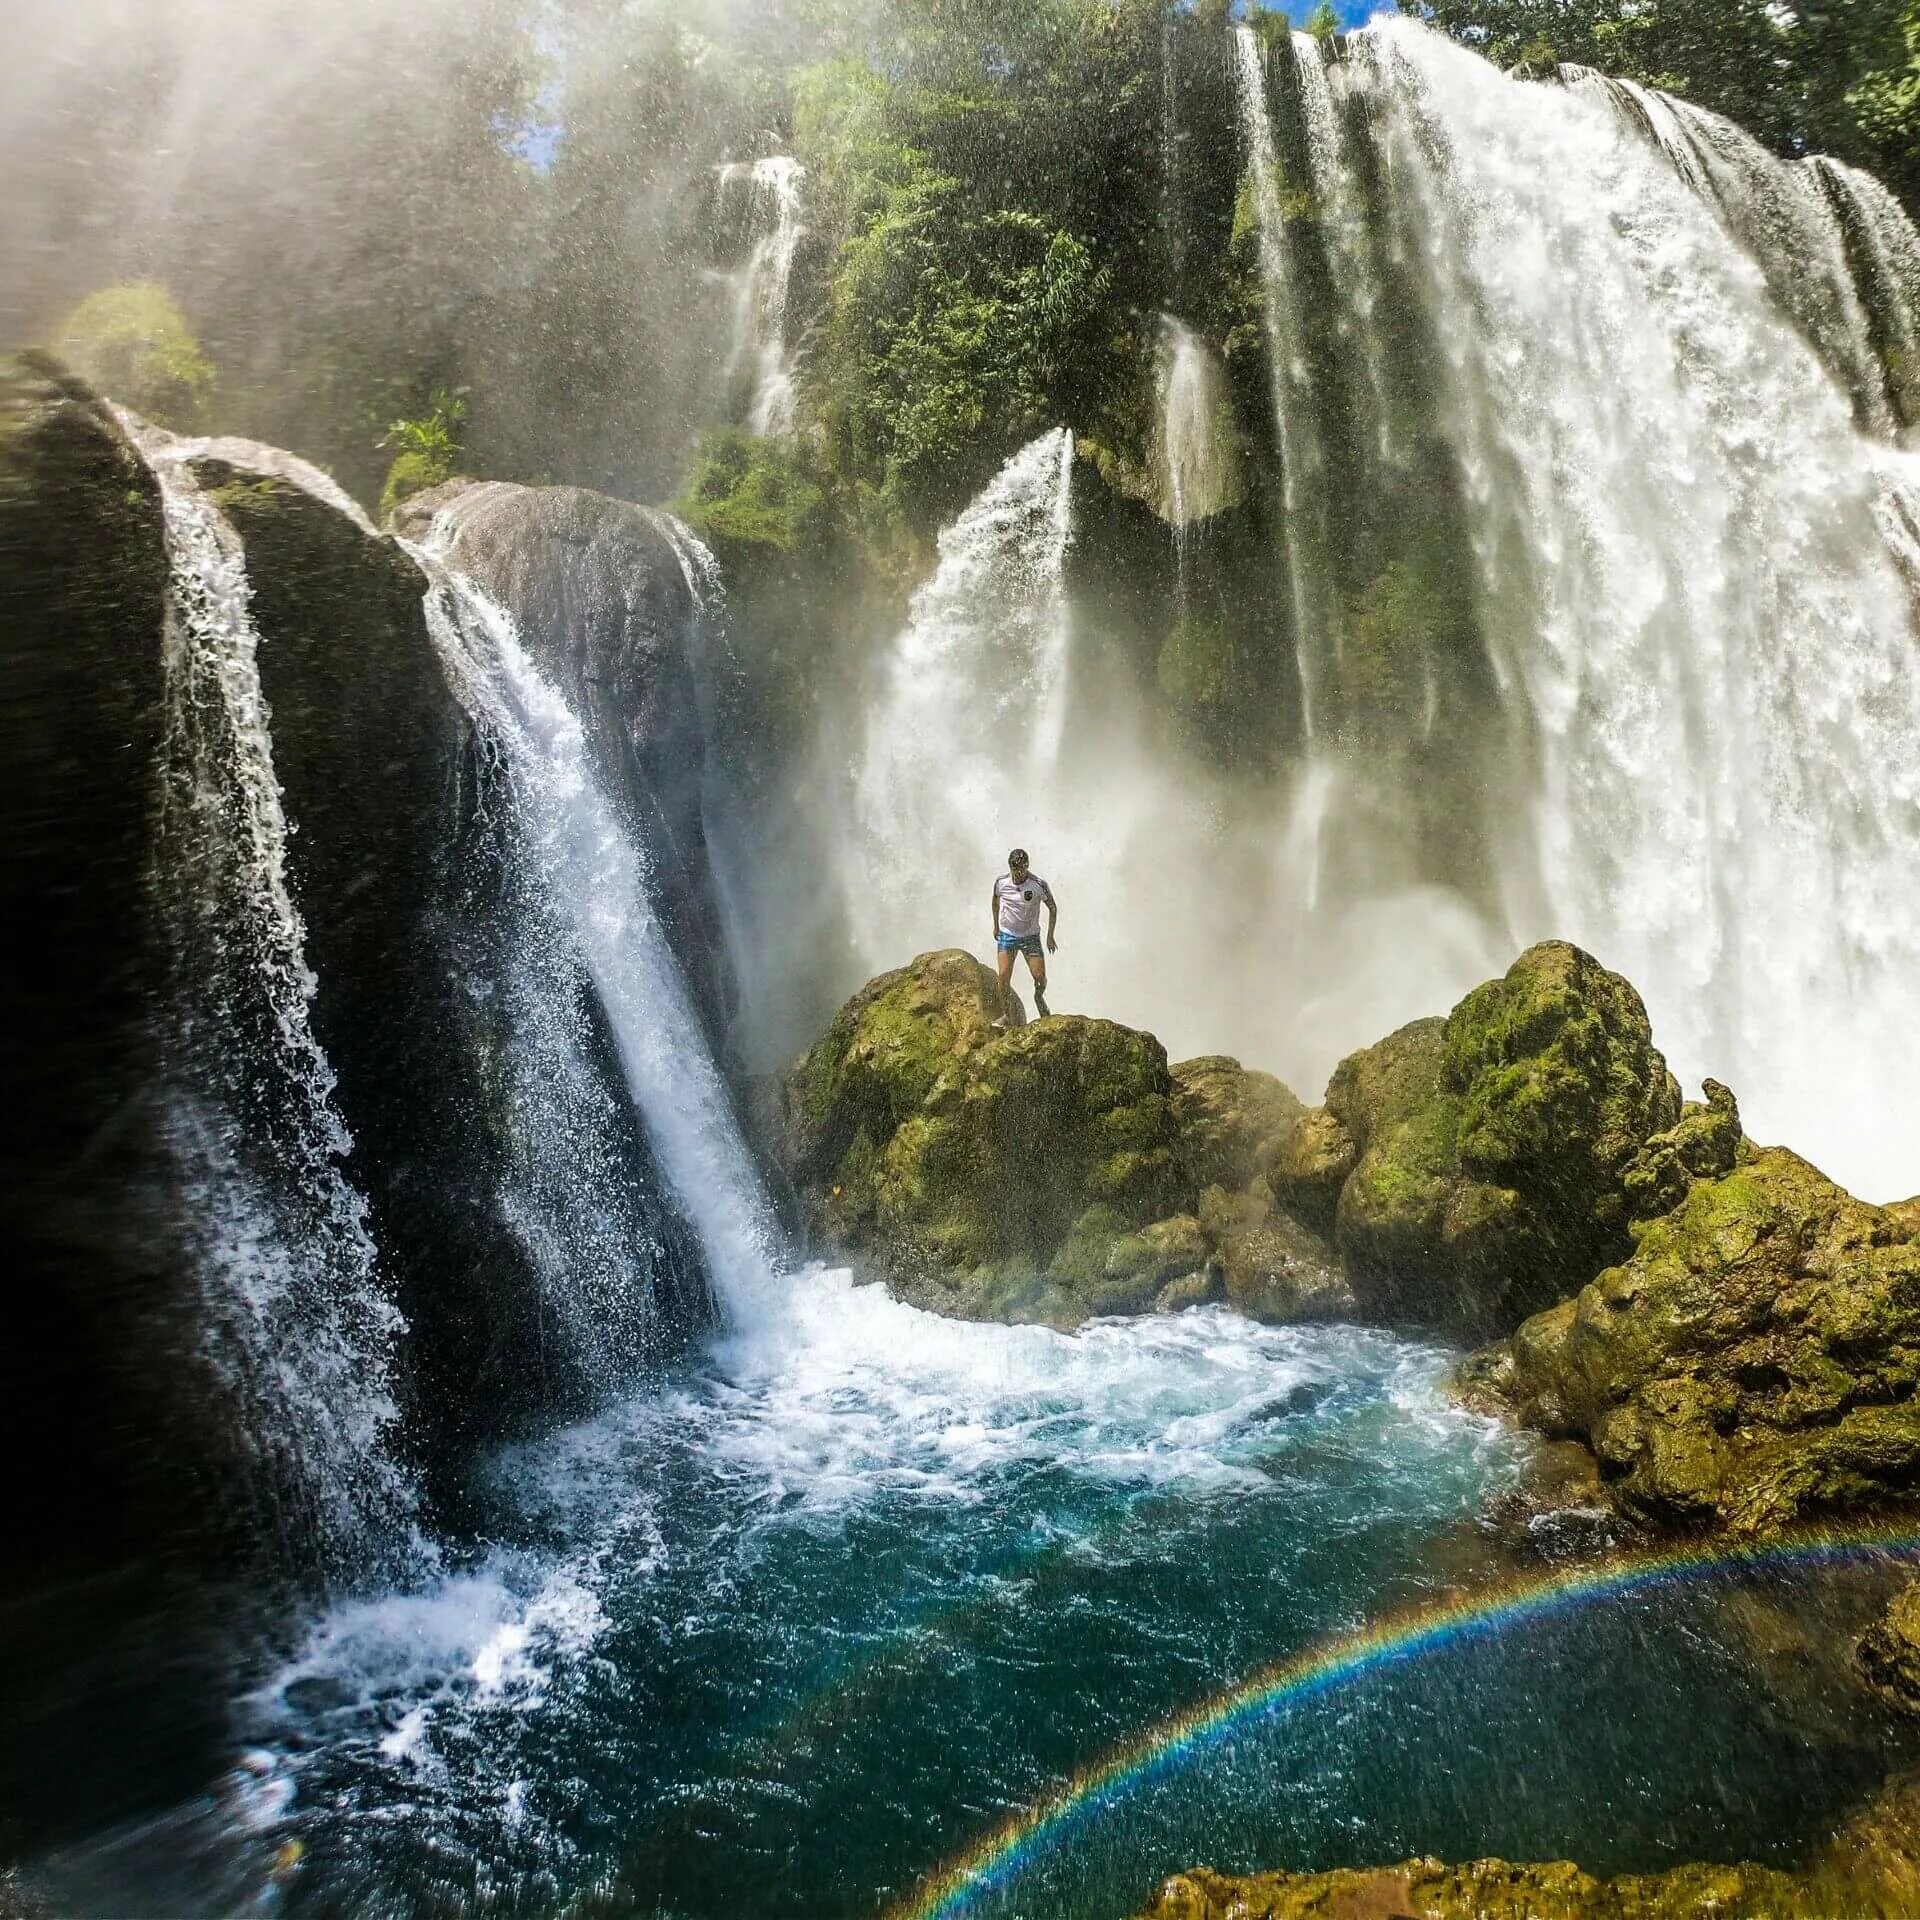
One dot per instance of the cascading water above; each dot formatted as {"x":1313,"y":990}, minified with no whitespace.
{"x":1781,"y":213}
{"x":1295,"y":430}
{"x":574,"y":1195}
{"x":1193,"y":449}
{"x":1697,"y":603}
{"x":594,"y":878}
{"x":1886,"y":250}
{"x":769,"y":192}
{"x":298,"y":1329}
{"x":966,"y":733}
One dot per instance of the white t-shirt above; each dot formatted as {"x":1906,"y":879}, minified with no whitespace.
{"x":1020,"y":905}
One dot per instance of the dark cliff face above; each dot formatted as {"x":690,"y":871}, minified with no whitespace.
{"x":115,"y":1476}
{"x":604,"y":606}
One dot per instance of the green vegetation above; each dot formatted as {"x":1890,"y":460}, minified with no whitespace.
{"x":134,"y":344}
{"x":756,"y":491}
{"x":426,"y":448}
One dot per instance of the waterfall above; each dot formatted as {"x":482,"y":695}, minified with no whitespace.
{"x":770,"y":189}
{"x":597,"y":882}
{"x":1885,"y":248}
{"x":968,"y":722}
{"x":1780,"y":212}
{"x":1295,"y":428}
{"x":1689,"y":585}
{"x":1193,"y":449}
{"x":298,"y":1330}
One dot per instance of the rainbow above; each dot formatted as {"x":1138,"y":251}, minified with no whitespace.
{"x":1001,"y":1855}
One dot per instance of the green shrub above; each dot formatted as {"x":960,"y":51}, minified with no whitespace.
{"x":133,"y":343}
{"x":427,"y":448}
{"x":745,"y":488}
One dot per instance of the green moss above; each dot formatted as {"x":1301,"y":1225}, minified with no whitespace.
{"x":412,"y":472}
{"x":756,"y":492}
{"x":133,"y":342}
{"x":1754,"y":1362}
{"x":1493,"y":1148}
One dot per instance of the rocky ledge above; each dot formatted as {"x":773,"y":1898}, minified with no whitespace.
{"x":1869,"y":1871}
{"x":1462,"y":1173}
{"x":1051,"y":1172}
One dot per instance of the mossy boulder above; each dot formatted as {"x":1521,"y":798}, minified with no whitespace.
{"x":1232,"y":1119}
{"x":1751,"y":1365}
{"x":1888,"y":1653}
{"x":1052,"y":1171}
{"x":134,"y":344}
{"x":1489,"y":1152}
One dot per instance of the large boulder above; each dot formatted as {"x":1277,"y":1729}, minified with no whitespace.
{"x":1481,"y":1162}
{"x":1753,"y":1363}
{"x":1053,"y":1171}
{"x":609,"y":600}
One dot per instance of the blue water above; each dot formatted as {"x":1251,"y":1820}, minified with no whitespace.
{"x":781,"y":1636}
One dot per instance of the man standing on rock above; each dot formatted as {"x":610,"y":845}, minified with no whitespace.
{"x":1017,"y":898}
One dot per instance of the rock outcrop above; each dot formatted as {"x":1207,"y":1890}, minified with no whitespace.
{"x":1055,"y":1171}
{"x":603,"y":593}
{"x":1475,"y":1169}
{"x":1887,"y":1655}
{"x":1753,"y":1363}
{"x":1869,"y":1870}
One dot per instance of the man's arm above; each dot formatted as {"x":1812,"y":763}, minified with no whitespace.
{"x":993,"y":916}
{"x":1053,"y":918}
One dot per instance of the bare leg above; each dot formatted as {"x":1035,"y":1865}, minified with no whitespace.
{"x":1005,"y":957}
{"x":1037,"y":966}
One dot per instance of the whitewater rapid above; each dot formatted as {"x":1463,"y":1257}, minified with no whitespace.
{"x":730,"y":1518}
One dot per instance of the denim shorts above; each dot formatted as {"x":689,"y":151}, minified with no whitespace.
{"x":1019,"y":943}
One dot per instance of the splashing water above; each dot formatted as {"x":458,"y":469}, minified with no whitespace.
{"x":597,"y":880}
{"x":771,"y":191}
{"x":708,"y":1613}
{"x":1193,"y":450}
{"x":298,"y":1329}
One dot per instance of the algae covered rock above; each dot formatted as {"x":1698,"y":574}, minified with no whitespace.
{"x":1052,"y":1171}
{"x":1888,"y":1653}
{"x":1869,"y":1870}
{"x":1752,"y":1364}
{"x":1232,"y":1119}
{"x":1493,"y":1148}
